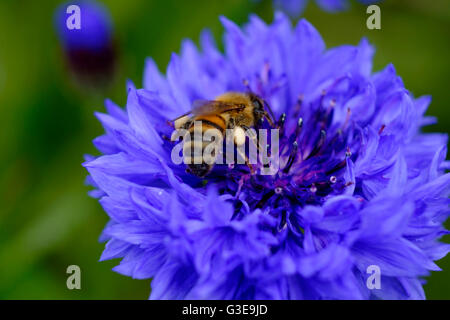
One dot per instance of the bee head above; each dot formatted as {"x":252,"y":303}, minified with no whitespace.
{"x":258,"y":105}
{"x":257,"y":102}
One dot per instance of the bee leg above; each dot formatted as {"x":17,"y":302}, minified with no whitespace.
{"x":269,"y":119}
{"x":247,"y":162}
{"x":253,"y":136}
{"x":269,"y":115}
{"x":264,"y":115}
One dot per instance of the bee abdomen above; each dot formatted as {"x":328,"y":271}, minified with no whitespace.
{"x":213,"y":122}
{"x":193,"y":150}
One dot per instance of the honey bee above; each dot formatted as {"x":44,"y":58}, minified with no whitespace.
{"x":231,"y":110}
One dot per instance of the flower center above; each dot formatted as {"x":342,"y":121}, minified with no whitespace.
{"x":313,"y":156}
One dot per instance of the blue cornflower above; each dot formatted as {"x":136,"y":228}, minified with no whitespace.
{"x":296,"y":7}
{"x":85,"y":31}
{"x":364,"y":187}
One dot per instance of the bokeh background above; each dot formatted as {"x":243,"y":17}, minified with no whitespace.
{"x":47,"y":220}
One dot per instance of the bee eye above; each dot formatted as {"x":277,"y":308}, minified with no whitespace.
{"x":257,"y":104}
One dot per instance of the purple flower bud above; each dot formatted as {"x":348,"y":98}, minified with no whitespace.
{"x":85,"y":31}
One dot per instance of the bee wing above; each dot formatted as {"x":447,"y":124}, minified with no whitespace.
{"x":207,"y":107}
{"x":204,"y":107}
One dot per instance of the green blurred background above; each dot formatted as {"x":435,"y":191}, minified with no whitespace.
{"x":47,"y":221}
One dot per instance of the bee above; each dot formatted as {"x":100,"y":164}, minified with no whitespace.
{"x":232,"y":110}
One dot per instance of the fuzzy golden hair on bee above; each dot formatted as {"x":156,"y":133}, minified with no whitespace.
{"x":234,"y":111}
